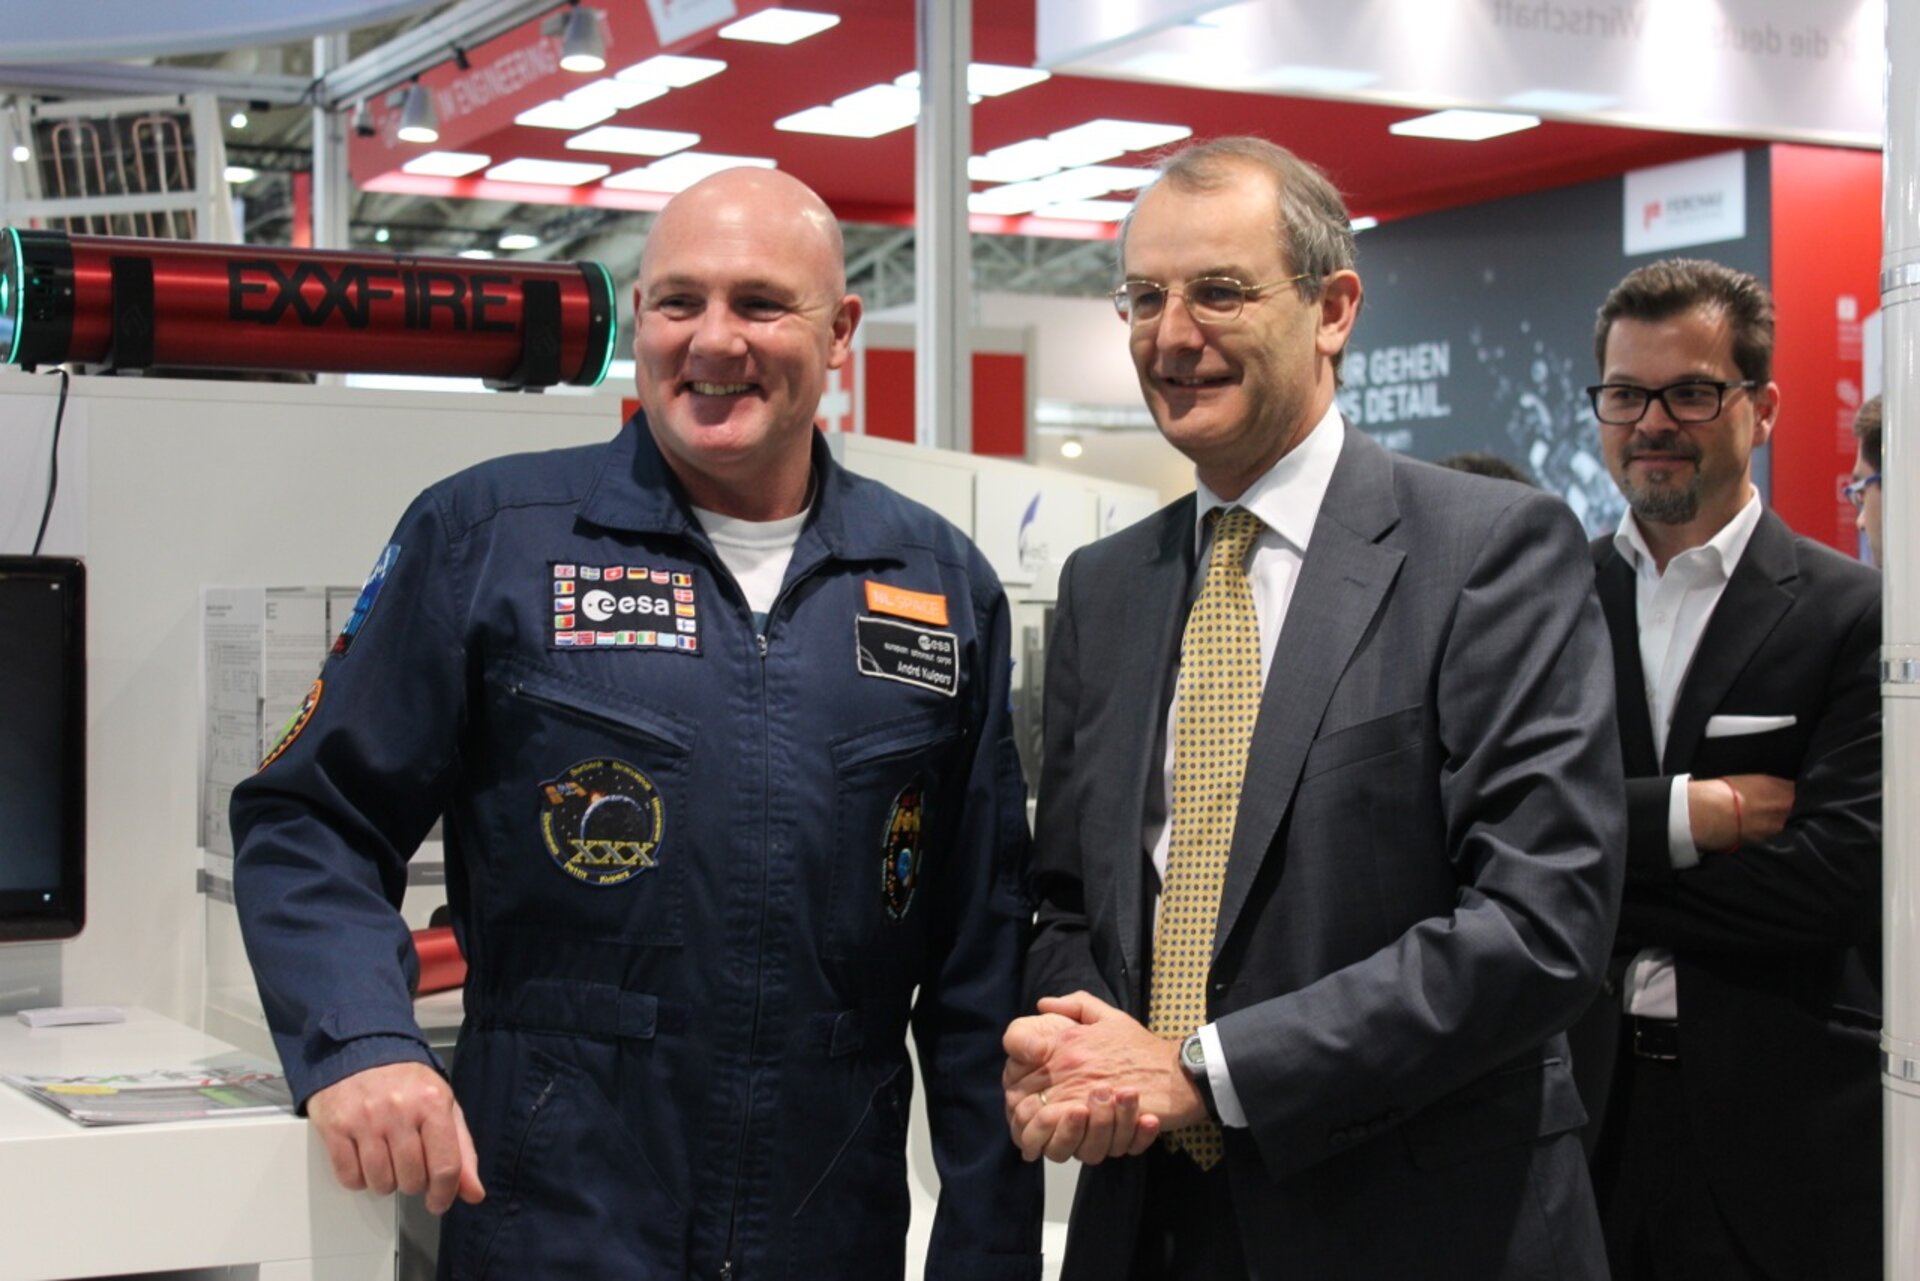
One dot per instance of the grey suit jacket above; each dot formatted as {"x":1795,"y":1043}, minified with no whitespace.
{"x":1422,"y":890}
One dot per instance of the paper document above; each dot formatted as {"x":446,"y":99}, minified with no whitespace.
{"x":178,"y":1094}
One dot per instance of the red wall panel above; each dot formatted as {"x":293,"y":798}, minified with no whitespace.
{"x":1826,"y":261}
{"x":999,"y":399}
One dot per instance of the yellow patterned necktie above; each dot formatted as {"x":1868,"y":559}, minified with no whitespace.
{"x":1219,"y":699}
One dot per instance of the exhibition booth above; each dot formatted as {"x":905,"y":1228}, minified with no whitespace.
{"x":224,"y":524}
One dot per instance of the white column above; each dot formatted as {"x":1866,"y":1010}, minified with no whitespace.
{"x":1900,"y":666}
{"x":943,"y":256}
{"x":332,"y":191}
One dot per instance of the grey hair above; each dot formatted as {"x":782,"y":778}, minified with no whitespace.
{"x":1316,"y":233}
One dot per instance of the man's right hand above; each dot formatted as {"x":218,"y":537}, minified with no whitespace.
{"x":1766,"y":803}
{"x":397,"y":1127}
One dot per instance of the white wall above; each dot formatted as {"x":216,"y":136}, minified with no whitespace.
{"x":185,"y":483}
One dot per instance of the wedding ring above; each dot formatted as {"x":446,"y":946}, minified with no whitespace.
{"x":1043,"y":1098}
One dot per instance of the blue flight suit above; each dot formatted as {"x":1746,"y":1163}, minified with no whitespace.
{"x":698,"y":865}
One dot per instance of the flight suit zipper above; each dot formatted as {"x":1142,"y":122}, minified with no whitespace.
{"x":766,"y":869}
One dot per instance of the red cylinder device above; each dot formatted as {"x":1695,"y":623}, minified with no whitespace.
{"x":133,"y":304}
{"x":442,"y":965}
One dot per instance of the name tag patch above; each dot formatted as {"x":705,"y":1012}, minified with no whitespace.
{"x":624,"y":607}
{"x":907,"y":653}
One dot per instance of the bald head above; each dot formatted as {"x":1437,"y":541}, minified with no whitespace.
{"x":764,"y":204}
{"x":740,"y":312}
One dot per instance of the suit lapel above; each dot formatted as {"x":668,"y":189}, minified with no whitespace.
{"x":1343,"y":581}
{"x":1149,"y":667}
{"x":1756,"y":598}
{"x":1614,"y":581}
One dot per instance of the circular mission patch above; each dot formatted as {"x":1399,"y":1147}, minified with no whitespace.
{"x":601,"y":821}
{"x":900,"y":864}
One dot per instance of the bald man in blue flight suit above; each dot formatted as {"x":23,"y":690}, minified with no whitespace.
{"x":721,"y":736}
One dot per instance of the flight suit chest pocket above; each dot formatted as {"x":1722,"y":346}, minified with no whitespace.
{"x":895,"y":797}
{"x":591,"y":824}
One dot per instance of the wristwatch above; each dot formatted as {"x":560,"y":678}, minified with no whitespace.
{"x":1193,"y":1060}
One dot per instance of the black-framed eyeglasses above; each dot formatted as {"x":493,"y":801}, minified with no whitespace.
{"x":1695,"y":400}
{"x":1856,"y":490}
{"x":1210,"y":300}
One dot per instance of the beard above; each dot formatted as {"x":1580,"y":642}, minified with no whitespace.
{"x":1670,"y":503}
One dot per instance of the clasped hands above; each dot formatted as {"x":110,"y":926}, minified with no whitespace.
{"x":1086,"y":1080}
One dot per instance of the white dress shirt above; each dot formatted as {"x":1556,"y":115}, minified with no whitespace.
{"x":1287,"y":500}
{"x":1672,"y":609}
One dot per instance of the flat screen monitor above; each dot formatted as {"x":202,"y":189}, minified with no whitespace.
{"x":43,"y":747}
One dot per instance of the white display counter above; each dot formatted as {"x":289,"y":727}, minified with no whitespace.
{"x":101,"y":1201}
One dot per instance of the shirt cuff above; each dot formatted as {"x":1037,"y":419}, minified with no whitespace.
{"x":1680,"y":847}
{"x":1225,"y":1101}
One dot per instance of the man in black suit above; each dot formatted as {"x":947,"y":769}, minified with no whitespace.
{"x":1730,"y":1063}
{"x":1329,"y":842}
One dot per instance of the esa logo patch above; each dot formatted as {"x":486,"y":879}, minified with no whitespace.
{"x":900,"y":864}
{"x":623,"y":607}
{"x":601,"y":821}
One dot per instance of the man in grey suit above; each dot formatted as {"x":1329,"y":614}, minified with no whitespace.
{"x":1329,"y":846}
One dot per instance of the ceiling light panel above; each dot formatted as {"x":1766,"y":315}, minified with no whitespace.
{"x":677,"y":173}
{"x":558,"y":173}
{"x":1366,"y":222}
{"x":1104,"y":139}
{"x":615,"y":93}
{"x":519,"y":240}
{"x":1086,"y":210}
{"x":589,"y":105}
{"x":558,"y":113}
{"x":621,"y":140}
{"x":779,"y":26}
{"x":1016,"y":162}
{"x":831,"y":122}
{"x":865,"y":113}
{"x":987,"y":79}
{"x":672,"y":70}
{"x":447,"y":164}
{"x":1463,"y":126}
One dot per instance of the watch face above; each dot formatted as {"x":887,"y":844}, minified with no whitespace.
{"x":1194,"y":1054}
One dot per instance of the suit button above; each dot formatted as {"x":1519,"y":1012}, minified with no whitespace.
{"x":1219,"y":989}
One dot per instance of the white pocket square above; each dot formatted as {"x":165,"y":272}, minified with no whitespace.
{"x":1734,"y":726}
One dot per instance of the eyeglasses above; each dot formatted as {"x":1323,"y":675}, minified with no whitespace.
{"x":1211,"y":300}
{"x":1856,"y":491}
{"x":1693,"y":401}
